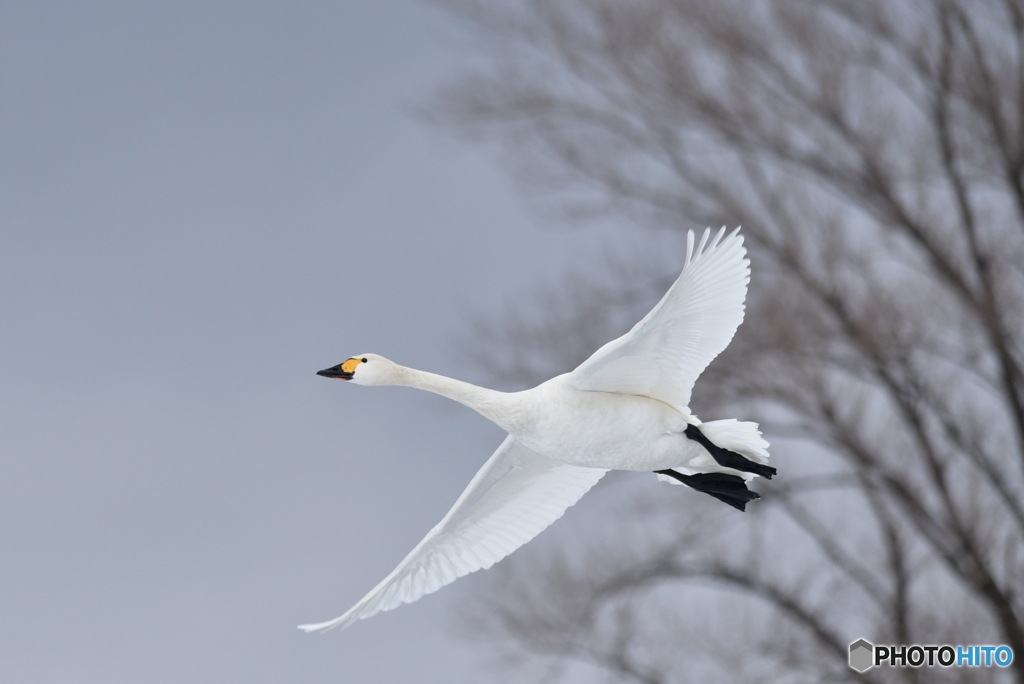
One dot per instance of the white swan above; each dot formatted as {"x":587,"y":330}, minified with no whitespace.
{"x":624,"y":408}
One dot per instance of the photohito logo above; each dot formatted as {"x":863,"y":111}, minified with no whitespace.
{"x":865,"y":655}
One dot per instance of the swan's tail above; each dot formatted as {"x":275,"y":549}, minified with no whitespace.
{"x":733,"y":444}
{"x":743,"y":437}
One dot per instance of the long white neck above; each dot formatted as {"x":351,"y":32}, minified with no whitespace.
{"x":501,"y":408}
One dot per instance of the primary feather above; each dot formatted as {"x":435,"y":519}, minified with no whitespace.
{"x":662,"y":355}
{"x":512,"y":498}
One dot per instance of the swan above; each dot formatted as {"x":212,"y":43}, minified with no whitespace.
{"x":624,"y":408}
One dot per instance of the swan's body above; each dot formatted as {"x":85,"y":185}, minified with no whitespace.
{"x":599,"y":429}
{"x":625,"y":408}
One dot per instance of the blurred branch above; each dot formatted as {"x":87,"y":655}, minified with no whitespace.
{"x":874,"y":153}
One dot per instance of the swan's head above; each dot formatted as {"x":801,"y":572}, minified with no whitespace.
{"x":365,"y":369}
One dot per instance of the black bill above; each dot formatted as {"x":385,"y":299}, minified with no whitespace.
{"x":336,"y":372}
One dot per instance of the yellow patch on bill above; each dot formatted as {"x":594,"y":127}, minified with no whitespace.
{"x":350,"y":365}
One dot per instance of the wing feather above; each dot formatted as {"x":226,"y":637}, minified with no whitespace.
{"x":665,"y":353}
{"x":513,"y":497}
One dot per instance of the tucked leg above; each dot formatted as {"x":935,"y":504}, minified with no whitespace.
{"x":726,"y":458}
{"x":728,"y":488}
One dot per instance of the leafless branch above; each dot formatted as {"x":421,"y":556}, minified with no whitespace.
{"x":874,"y":153}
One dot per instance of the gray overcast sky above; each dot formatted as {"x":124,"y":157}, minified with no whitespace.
{"x":201,"y":204}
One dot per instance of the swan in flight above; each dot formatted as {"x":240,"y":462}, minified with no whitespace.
{"x":624,"y":408}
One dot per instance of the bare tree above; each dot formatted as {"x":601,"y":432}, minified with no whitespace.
{"x":873,"y":150}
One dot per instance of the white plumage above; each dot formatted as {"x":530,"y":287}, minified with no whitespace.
{"x":625,"y":408}
{"x":509,"y":502}
{"x":663,"y":354}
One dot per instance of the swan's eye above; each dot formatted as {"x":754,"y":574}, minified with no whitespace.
{"x":364,"y":360}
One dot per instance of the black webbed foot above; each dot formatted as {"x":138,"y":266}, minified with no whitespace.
{"x":726,"y":458}
{"x":728,"y":488}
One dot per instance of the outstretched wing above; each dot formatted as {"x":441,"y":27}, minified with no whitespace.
{"x":662,"y":356}
{"x":513,"y":497}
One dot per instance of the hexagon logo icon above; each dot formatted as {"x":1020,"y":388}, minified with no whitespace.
{"x":862,"y":655}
